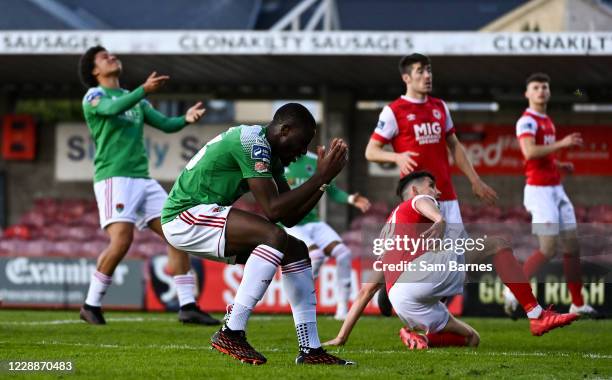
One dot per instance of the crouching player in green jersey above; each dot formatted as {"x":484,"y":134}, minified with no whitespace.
{"x":125,"y":193}
{"x":321,"y":239}
{"x":198,"y":218}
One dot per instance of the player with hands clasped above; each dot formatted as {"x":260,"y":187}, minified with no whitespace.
{"x":198,"y":218}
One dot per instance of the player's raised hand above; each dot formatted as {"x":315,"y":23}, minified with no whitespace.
{"x":195,"y":113}
{"x":405,"y":162}
{"x":330,"y":163}
{"x":571,"y":140}
{"x":154,"y":82}
{"x":361,"y":202}
{"x":484,"y":192}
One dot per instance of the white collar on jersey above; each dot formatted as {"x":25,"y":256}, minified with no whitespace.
{"x":413,"y":100}
{"x":530,"y":110}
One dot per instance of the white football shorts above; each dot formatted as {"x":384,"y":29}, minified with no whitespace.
{"x":200,"y":231}
{"x":125,"y":199}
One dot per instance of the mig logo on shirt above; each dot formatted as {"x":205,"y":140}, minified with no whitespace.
{"x":427,"y":133}
{"x":260,"y":152}
{"x":549,"y":139}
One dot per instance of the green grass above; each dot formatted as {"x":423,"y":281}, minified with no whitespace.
{"x":144,"y":346}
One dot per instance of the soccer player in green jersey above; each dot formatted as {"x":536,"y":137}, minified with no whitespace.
{"x":125,"y":193}
{"x":321,"y":239}
{"x":198,"y":218}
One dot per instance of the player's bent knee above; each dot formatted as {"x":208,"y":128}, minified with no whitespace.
{"x":296,"y":251}
{"x":276,"y":238}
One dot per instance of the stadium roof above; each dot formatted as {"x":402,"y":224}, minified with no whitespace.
{"x":45,"y":63}
{"x":245,"y":14}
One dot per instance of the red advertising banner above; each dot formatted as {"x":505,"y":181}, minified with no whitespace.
{"x":217,"y":284}
{"x":222,"y":281}
{"x":494,"y":149}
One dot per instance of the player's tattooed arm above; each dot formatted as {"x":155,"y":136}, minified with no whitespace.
{"x":479,"y":187}
{"x":289,"y":207}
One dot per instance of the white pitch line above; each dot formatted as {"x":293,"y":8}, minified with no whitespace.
{"x":592,"y":356}
{"x":75,"y":321}
{"x":123,"y":319}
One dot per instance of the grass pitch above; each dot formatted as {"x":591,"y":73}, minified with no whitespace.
{"x":148,"y":345}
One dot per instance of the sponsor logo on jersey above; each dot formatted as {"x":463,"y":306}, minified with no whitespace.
{"x":218,"y":209}
{"x":261,"y":167}
{"x":411,"y":117}
{"x":427,"y":133}
{"x":119,"y":207}
{"x":260,"y":152}
{"x":437,"y":114}
{"x":380,"y":125}
{"x":549,"y":139}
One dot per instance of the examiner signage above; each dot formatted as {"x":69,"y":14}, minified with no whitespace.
{"x":306,"y":43}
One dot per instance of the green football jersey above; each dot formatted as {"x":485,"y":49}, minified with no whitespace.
{"x":116,"y":118}
{"x":218,"y":173}
{"x":299,"y":172}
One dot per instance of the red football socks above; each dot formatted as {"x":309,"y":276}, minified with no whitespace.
{"x":533,"y":263}
{"x":512,"y":275}
{"x":446,"y":339}
{"x":573,"y":276}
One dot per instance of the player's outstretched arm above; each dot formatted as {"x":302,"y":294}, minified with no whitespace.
{"x":374,"y":152}
{"x":107,"y":106}
{"x":480,"y":189}
{"x":160,"y":121}
{"x":531,"y":150}
{"x":366,"y":293}
{"x":289,"y":207}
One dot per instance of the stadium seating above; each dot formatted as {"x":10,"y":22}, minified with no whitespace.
{"x":70,"y":228}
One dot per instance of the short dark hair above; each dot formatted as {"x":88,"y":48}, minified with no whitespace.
{"x":292,"y":114}
{"x":537,"y":77}
{"x":407,"y":61}
{"x":87,"y":64}
{"x":414,"y":176}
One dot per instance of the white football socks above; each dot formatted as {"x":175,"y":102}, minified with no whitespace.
{"x":97,"y":288}
{"x":317,"y":258}
{"x":343,"y":257}
{"x":185,"y":288}
{"x":258,"y":273}
{"x":298,"y":285}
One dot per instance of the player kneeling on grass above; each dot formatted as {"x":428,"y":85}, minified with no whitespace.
{"x":198,"y":218}
{"x":416,"y":294}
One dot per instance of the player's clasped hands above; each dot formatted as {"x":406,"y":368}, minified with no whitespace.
{"x":330,"y":163}
{"x":154,"y":82}
{"x":195,"y":113}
